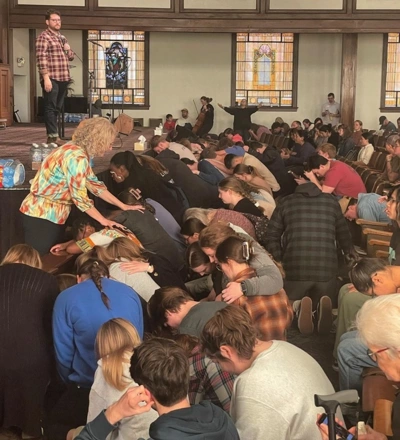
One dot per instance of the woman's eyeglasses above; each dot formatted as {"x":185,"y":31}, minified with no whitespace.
{"x":373,"y":354}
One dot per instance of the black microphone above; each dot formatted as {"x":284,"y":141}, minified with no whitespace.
{"x":63,"y":42}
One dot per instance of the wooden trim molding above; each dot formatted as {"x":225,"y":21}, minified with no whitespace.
{"x":32,"y":74}
{"x":383,"y":108}
{"x":256,"y":10}
{"x":349,"y":78}
{"x":131,"y":9}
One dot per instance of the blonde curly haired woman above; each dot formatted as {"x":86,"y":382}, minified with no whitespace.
{"x":63,"y":180}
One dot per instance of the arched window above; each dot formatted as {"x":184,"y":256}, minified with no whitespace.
{"x":266,"y":69}
{"x":119,"y":62}
{"x":390,"y":96}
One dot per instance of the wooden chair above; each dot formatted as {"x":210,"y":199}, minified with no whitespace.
{"x":264,"y":138}
{"x":155,"y":122}
{"x":56,"y":264}
{"x":373,"y":240}
{"x":376,"y":386}
{"x":383,"y":417}
{"x":381,"y":141}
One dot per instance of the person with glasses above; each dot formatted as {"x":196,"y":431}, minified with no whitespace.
{"x":382,"y":346}
{"x":53,"y":54}
{"x":351,"y":298}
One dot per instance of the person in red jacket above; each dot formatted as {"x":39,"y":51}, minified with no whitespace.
{"x":169,"y":123}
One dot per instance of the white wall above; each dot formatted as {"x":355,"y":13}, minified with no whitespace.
{"x":184,"y":67}
{"x":369,"y":75}
{"x":320,"y":59}
{"x":21,"y":74}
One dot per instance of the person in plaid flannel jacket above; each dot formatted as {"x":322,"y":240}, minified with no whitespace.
{"x":53,"y":54}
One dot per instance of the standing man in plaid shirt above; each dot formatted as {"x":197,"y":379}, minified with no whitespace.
{"x":303,"y":234}
{"x":53,"y":54}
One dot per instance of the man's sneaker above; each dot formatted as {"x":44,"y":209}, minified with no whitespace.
{"x":305,"y":316}
{"x":324,"y":313}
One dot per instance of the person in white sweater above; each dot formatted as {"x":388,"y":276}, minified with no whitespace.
{"x":120,"y":251}
{"x":366,"y":150}
{"x":115,"y":343}
{"x":273,"y":396}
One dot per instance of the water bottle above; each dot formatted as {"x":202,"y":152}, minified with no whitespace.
{"x":36,"y":156}
{"x":36,"y":153}
{"x":46,"y":150}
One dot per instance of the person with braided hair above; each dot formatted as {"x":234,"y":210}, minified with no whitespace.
{"x":78,"y":314}
{"x":238,"y":195}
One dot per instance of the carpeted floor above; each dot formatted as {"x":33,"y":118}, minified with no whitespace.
{"x":15,"y":142}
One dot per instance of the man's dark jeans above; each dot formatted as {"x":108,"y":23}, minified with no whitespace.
{"x":53,"y":102}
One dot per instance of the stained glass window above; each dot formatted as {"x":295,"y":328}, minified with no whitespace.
{"x":391,"y":72}
{"x":266,"y":69}
{"x":118,"y":61}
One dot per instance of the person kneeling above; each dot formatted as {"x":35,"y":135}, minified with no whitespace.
{"x":162,"y":368}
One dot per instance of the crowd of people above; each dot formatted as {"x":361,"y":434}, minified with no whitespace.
{"x":193,"y":260}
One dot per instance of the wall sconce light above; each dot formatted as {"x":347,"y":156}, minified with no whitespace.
{"x":20,"y":61}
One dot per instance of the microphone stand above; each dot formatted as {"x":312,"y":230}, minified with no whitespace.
{"x":92,"y":79}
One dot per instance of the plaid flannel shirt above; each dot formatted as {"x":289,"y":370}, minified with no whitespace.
{"x":303,"y":232}
{"x":51,"y":57}
{"x":208,"y":381}
{"x":272,"y":315}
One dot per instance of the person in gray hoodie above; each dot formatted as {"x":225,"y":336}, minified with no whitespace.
{"x":162,"y":368}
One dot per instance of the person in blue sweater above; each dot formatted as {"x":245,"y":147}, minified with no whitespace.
{"x":78,"y":314}
{"x":205,"y":170}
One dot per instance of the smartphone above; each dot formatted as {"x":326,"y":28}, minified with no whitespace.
{"x":294,"y":174}
{"x":341,"y":433}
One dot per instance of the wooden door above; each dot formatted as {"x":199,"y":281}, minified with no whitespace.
{"x":6,"y":110}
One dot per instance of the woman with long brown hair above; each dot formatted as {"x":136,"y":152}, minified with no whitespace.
{"x":269,"y":275}
{"x":237,"y":194}
{"x":271,"y":314}
{"x":262,"y":191}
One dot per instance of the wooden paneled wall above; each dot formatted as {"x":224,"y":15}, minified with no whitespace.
{"x":299,"y":16}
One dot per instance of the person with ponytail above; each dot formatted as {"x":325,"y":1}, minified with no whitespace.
{"x":238,"y":195}
{"x":127,"y":172}
{"x":262,"y":191}
{"x":271,"y":314}
{"x":78,"y":314}
{"x":115,"y":342}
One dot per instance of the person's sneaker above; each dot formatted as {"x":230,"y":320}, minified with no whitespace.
{"x":324,"y":313}
{"x":335,"y":366}
{"x":305,"y":316}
